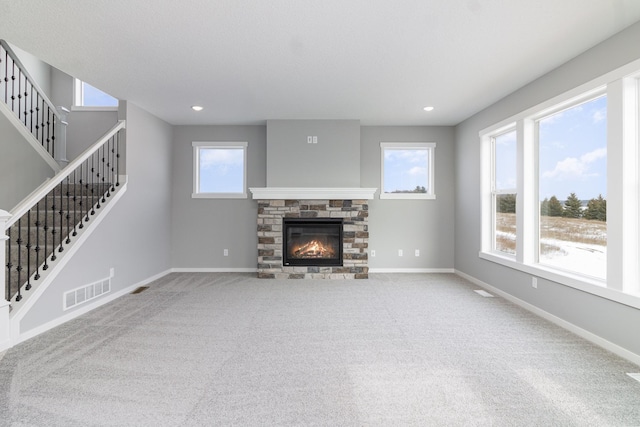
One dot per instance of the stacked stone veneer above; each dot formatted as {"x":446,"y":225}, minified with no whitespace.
{"x":355,"y":238}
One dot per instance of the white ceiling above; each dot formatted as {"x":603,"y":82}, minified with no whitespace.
{"x":246,"y":61}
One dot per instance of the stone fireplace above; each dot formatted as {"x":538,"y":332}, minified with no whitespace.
{"x":285,"y":211}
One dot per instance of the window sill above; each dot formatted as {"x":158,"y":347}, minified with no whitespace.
{"x":81,"y":108}
{"x":583,"y":283}
{"x":219,"y":195}
{"x":408,"y":196}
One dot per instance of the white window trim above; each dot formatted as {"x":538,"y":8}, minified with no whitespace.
{"x":622,"y":87}
{"x":197,"y":145}
{"x":77,"y":100}
{"x":495,"y":192}
{"x":431,"y":148}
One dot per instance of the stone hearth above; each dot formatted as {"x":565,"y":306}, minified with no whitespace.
{"x":355,"y":239}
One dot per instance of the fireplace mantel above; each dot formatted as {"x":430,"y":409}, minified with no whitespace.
{"x":309,"y":193}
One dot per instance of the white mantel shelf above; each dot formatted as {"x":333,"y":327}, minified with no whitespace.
{"x":302,"y":193}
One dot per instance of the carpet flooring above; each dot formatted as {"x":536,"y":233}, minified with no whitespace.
{"x":394,"y":350}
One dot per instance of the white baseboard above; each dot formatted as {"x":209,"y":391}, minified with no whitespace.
{"x":589,"y":336}
{"x":213,"y":270}
{"x":85,"y":309}
{"x":411,"y":270}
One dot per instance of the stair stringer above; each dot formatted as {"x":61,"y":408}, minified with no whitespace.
{"x":20,"y":309}
{"x":29,"y":137}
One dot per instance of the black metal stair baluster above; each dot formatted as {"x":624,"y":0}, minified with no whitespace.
{"x":31,"y":109}
{"x":38,"y":132}
{"x":20,"y":94}
{"x":93,"y":201}
{"x":9,"y":266}
{"x":118,"y":159}
{"x":104,"y":172}
{"x":28,"y":246}
{"x":45,"y":266}
{"x":53,"y":134}
{"x":49,"y":145}
{"x":109,"y":168}
{"x":13,"y":85}
{"x":68,"y":212}
{"x":97,"y":167}
{"x":6,"y":79}
{"x":37,"y":249}
{"x":83,"y":195}
{"x":53,"y":227}
{"x":26,"y":99}
{"x":19,"y":266}
{"x":75,"y":204}
{"x":61,"y":213}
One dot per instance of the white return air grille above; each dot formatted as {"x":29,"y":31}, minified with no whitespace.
{"x":85,"y":293}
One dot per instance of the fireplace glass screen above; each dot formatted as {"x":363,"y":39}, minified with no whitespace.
{"x":312,"y":242}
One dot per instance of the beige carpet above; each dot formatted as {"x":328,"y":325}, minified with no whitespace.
{"x":394,"y":350}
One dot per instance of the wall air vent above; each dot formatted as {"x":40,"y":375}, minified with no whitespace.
{"x":85,"y":293}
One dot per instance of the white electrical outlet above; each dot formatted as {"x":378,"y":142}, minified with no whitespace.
{"x":534,"y":282}
{"x":417,"y":252}
{"x":373,"y":252}
{"x":309,"y":140}
{"x":226,"y":252}
{"x":315,"y":139}
{"x":399,"y":252}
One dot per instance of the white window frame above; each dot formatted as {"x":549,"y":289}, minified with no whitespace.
{"x":78,"y":100}
{"x":622,"y":88}
{"x":430,"y":147}
{"x":495,"y":192}
{"x":197,"y":146}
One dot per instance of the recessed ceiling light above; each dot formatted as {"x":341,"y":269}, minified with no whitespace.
{"x":428,"y":108}
{"x":196,"y":108}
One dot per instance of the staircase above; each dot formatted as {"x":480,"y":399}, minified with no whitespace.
{"x":46,"y":222}
{"x":39,"y":237}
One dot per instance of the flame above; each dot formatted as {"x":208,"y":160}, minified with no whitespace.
{"x":313,"y":249}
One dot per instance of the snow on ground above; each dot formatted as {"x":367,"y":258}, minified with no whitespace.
{"x":581,"y":258}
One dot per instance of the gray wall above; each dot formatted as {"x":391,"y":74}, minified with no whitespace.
{"x":333,"y":162}
{"x":135,"y":237}
{"x":22,"y":169}
{"x":40,"y":71}
{"x":426,"y":225}
{"x":609,"y":320}
{"x":202,"y":228}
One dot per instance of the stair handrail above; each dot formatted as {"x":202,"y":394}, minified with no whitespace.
{"x":32,"y":199}
{"x":32,"y":81}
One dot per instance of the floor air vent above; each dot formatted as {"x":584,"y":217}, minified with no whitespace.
{"x":483,"y":293}
{"x":140,"y":289}
{"x":86,"y":293}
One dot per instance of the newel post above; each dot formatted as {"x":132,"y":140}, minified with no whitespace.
{"x":61,"y":137}
{"x":5,"y":330}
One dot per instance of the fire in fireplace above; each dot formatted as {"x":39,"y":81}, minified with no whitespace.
{"x":312,"y":241}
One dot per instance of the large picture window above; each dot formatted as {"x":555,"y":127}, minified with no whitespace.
{"x":220,"y":169}
{"x":559,"y":188}
{"x":572,"y":182}
{"x":407,"y":170}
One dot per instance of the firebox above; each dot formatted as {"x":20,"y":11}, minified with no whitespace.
{"x":312,"y":241}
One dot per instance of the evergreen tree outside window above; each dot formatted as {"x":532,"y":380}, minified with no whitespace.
{"x":572,"y":152}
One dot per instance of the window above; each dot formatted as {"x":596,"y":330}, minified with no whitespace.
{"x":504,"y":192}
{"x":219,"y":169}
{"x":90,"y":98}
{"x":407,"y":170}
{"x":577,"y":174}
{"x":572,"y":182}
